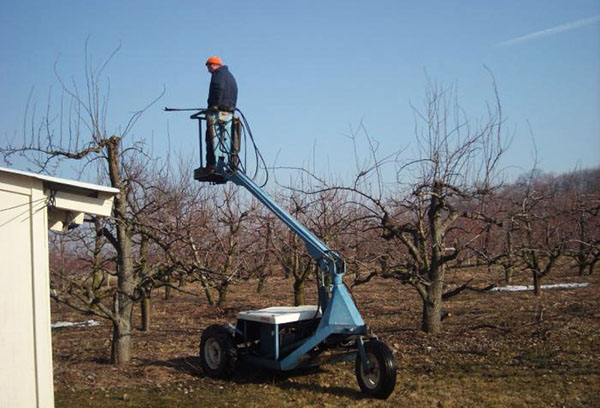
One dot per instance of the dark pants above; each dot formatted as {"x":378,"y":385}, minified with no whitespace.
{"x":211,"y":124}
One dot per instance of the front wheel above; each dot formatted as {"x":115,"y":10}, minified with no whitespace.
{"x":218,"y":353}
{"x":380,"y":378}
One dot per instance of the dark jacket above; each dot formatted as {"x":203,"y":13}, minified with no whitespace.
{"x":223,"y":90}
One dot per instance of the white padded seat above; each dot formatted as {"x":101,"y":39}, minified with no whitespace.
{"x":281,"y":314}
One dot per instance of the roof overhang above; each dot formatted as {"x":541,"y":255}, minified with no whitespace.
{"x":69,"y":200}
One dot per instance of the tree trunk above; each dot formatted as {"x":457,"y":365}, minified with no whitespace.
{"x":508,"y":273}
{"x":208,"y":295}
{"x":537,"y":284}
{"x":121,"y":345}
{"x":432,"y":309}
{"x":123,"y":308}
{"x":121,"y":341}
{"x":222,"y":289}
{"x":261,"y":284}
{"x":145,"y":306}
{"x":581,"y":268}
{"x":298,"y":292}
{"x":432,"y":303}
{"x":591,"y":266}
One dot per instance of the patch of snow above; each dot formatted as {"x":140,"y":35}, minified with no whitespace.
{"x":519,"y":288}
{"x":87,"y":323}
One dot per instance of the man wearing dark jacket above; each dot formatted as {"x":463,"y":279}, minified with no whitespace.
{"x":222,"y":99}
{"x":223,"y":91}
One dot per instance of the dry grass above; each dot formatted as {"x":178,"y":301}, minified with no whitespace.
{"x":497,"y":350}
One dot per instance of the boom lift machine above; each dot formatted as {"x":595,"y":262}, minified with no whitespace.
{"x":285,"y":338}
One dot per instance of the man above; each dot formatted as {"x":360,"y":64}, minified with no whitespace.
{"x":222,"y":99}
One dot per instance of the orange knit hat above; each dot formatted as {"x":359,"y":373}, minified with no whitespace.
{"x":214,"y":60}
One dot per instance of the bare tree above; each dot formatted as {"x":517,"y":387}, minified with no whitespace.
{"x":584,"y":221}
{"x":538,"y":225}
{"x":205,"y":235}
{"x":175,"y":229}
{"x":443,"y":205}
{"x":257,"y":261}
{"x":289,"y":250}
{"x":77,"y":129}
{"x":228,"y":237}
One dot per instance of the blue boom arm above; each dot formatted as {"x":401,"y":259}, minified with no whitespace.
{"x":329,"y":261}
{"x":339,"y":313}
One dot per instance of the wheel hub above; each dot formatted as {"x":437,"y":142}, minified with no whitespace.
{"x":212,"y":353}
{"x":372,"y":376}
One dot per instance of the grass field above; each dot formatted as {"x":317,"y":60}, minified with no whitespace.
{"x":501,"y":349}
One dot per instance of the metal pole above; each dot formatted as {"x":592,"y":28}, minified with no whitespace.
{"x":200,"y":141}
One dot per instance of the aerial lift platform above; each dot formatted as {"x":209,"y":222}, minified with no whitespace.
{"x":286,"y":338}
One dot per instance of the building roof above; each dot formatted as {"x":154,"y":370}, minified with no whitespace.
{"x":70,"y":184}
{"x":67,"y":200}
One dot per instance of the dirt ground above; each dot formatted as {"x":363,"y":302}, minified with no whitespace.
{"x":500,"y":349}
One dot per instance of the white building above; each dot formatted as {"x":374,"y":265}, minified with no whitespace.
{"x":30,"y":204}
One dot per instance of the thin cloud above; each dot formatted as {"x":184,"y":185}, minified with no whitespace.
{"x":552,"y":31}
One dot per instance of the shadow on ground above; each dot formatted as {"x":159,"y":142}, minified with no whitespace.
{"x":246,"y":374}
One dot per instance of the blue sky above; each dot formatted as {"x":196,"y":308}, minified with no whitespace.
{"x":308,"y":71}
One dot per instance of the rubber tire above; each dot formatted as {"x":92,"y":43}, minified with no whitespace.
{"x":221,"y":362}
{"x":382,"y":360}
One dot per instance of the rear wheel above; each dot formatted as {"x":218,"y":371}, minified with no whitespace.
{"x":380,"y":378}
{"x":218,"y":353}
